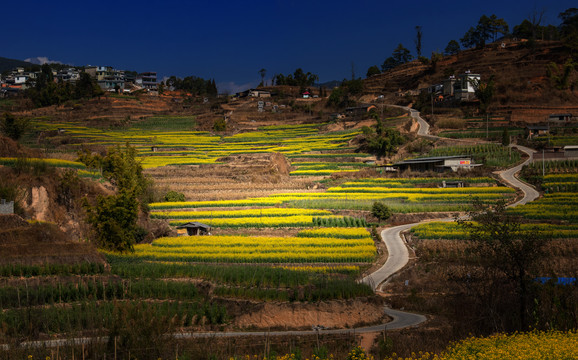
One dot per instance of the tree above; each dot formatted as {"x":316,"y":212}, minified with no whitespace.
{"x":484,"y":91}
{"x":498,"y":26}
{"x":569,"y":28}
{"x":560,"y":78}
{"x":388,"y":64}
{"x":505,"y":137}
{"x":335,"y":97}
{"x":381,"y":211}
{"x":524,"y":30}
{"x":114,"y":218}
{"x":486,"y":29}
{"x":500,"y":243}
{"x":373,"y":70}
{"x":86,"y":87}
{"x":121,"y":167}
{"x":418,"y":37}
{"x":382,"y":141}
{"x":12,"y":127}
{"x":452,"y":48}
{"x":298,"y":78}
{"x":262,"y":72}
{"x":435,"y":59}
{"x":470,"y":38}
{"x":401,"y":55}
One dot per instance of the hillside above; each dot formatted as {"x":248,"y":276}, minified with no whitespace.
{"x":7,"y":64}
{"x":520,"y":73}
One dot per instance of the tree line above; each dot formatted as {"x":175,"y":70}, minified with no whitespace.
{"x":298,"y":78}
{"x":192,"y":84}
{"x":46,"y":92}
{"x":491,"y":28}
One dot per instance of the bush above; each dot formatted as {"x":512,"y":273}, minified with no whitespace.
{"x":380,"y":211}
{"x":174,"y":196}
{"x":220,"y":125}
{"x":12,"y":127}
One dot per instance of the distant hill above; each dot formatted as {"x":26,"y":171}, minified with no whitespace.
{"x":7,"y":64}
{"x":329,"y":84}
{"x":522,"y":81}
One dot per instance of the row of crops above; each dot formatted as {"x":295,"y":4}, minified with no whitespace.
{"x":405,"y":195}
{"x":74,"y":318}
{"x":560,"y":201}
{"x":453,"y":231}
{"x":555,"y":167}
{"x":493,"y":155}
{"x":558,"y":140}
{"x":257,"y":249}
{"x":312,"y":168}
{"x":493,"y":132}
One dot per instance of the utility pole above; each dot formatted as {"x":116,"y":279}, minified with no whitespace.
{"x":543,"y":165}
{"x":432,"y":113}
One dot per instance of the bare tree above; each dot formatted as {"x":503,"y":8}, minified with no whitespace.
{"x":504,"y":246}
{"x":535,"y":18}
{"x":418,"y":36}
{"x":262,"y":72}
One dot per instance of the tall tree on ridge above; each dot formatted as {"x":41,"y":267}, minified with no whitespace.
{"x":418,"y":37}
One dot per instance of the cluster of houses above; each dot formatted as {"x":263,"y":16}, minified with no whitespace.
{"x":108,"y":78}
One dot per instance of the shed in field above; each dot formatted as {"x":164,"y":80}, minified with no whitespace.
{"x":439,"y":163}
{"x":193,"y":228}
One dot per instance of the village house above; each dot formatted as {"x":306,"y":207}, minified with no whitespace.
{"x":465,"y":86}
{"x":68,"y":75}
{"x":147,"y":80}
{"x":107,"y":77}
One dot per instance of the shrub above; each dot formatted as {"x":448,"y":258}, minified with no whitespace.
{"x":174,"y":196}
{"x":380,"y":211}
{"x":220,"y":125}
{"x":12,"y":127}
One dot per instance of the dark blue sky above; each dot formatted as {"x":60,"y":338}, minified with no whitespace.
{"x":231,"y":40}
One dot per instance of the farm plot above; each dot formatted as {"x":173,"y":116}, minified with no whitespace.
{"x":403,"y":195}
{"x":492,"y":155}
{"x":176,"y":143}
{"x":493,"y":133}
{"x":560,"y":202}
{"x":255,"y":249}
{"x":316,"y":264}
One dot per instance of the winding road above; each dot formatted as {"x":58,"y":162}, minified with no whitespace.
{"x":398,"y":257}
{"x":398,"y":253}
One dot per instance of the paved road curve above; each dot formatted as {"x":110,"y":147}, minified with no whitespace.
{"x":530,"y":194}
{"x":398,"y":256}
{"x":401,"y":320}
